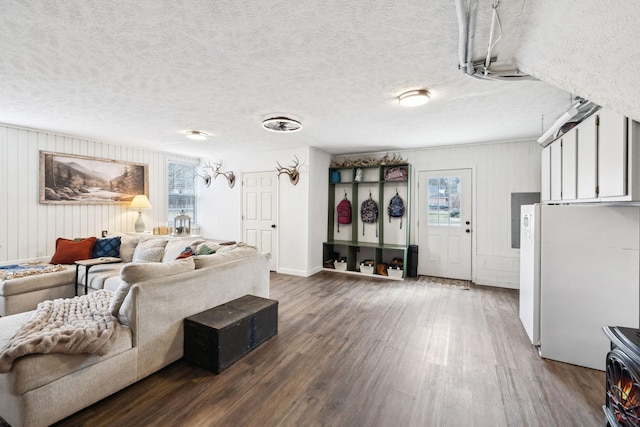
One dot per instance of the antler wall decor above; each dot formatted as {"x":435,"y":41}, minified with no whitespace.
{"x":292,"y":171}
{"x":369,"y":161}
{"x":215,"y":171}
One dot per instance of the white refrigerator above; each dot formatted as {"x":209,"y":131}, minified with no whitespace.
{"x":579,"y":271}
{"x":530,"y":271}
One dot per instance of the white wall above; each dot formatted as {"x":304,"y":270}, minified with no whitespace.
{"x":29,"y":229}
{"x":299,"y":237}
{"x":498,"y":170}
{"x":318,"y":200}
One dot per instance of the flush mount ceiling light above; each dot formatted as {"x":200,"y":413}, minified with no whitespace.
{"x":414,"y":98}
{"x":281,"y":124}
{"x":197,"y":135}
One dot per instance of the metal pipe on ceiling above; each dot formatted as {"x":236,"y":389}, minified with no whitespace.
{"x":466,"y":11}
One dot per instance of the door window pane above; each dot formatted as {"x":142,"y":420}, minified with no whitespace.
{"x":443,"y":201}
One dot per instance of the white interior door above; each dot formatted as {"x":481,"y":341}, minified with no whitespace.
{"x":444,"y":223}
{"x":259,"y":211}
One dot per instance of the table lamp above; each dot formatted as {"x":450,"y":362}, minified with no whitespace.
{"x":140,"y":202}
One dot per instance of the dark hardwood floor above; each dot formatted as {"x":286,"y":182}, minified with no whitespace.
{"x":354,"y":351}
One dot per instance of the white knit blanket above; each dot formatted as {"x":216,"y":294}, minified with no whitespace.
{"x":73,"y":325}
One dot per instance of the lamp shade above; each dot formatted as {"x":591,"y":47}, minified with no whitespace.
{"x":140,"y":202}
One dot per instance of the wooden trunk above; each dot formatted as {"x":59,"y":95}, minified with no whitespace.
{"x":218,"y":337}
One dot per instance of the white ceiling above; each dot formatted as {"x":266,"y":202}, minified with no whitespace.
{"x":141,"y":73}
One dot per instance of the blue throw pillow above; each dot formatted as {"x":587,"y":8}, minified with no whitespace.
{"x":109,"y":247}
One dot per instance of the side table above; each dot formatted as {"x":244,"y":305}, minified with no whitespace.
{"x":88,"y":263}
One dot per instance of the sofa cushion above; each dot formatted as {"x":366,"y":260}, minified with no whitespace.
{"x":108,"y":247}
{"x":70,"y":251}
{"x":134,"y":273}
{"x":227,"y":248}
{"x":26,"y":284}
{"x":128,"y":246}
{"x":222,"y":257}
{"x":149,"y":249}
{"x":36,"y":370}
{"x":99,"y":274}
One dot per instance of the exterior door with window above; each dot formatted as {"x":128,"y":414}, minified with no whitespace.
{"x":259,"y":210}
{"x":444,"y":224}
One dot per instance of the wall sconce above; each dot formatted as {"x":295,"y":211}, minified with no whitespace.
{"x":292,"y":171}
{"x":140,"y":202}
{"x":215,"y":171}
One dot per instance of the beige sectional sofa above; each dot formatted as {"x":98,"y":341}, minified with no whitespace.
{"x":41,"y":389}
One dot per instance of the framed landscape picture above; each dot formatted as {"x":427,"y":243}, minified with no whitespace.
{"x":73,"y":179}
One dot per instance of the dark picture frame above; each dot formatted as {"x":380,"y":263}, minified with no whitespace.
{"x":74,"y":179}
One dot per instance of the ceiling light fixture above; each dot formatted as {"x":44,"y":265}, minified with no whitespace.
{"x":197,"y":135}
{"x":281,"y":124}
{"x":414,"y":98}
{"x":557,"y":125}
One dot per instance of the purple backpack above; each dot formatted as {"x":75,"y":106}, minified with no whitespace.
{"x":344,"y":212}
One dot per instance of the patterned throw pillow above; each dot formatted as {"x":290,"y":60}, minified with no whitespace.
{"x":109,"y":247}
{"x":153,"y":254}
{"x":140,"y":255}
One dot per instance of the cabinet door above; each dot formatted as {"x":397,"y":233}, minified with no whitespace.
{"x":587,"y":158}
{"x":556,"y":170}
{"x":545,"y":179}
{"x":612,"y":154}
{"x":569,"y":165}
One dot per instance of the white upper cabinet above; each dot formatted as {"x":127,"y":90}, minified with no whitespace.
{"x":569,"y":164}
{"x":612,"y":154}
{"x":588,"y":159}
{"x":545,"y":189}
{"x":595,"y":161}
{"x":556,"y":171}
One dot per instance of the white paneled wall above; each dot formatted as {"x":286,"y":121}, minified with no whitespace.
{"x":499,"y":169}
{"x":319,"y":163}
{"x":301,"y":219}
{"x":29,"y":229}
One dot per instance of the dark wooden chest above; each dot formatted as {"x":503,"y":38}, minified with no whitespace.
{"x":216,"y":338}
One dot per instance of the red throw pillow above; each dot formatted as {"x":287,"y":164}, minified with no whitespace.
{"x":186,"y":253}
{"x":70,"y":251}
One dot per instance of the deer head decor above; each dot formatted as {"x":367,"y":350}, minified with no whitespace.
{"x":292,"y":171}
{"x":215,"y":171}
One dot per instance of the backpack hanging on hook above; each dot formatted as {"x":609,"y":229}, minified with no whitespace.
{"x":369,"y":213}
{"x":344,"y":211}
{"x":396,"y":208}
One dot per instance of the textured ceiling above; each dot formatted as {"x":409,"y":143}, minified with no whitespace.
{"x":141,"y":73}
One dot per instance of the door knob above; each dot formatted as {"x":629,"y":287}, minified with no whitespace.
{"x":467,"y":222}
{"x":273,"y":226}
{"x":467,"y":231}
